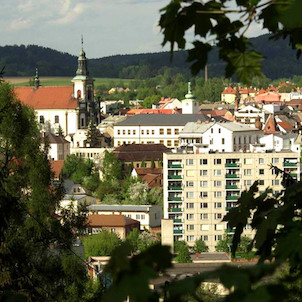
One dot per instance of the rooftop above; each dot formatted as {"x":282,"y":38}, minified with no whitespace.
{"x":120,"y":208}
{"x":110,"y":221}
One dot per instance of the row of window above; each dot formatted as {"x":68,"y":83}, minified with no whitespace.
{"x":169,"y":142}
{"x":204,"y":205}
{"x":204,"y":216}
{"x":218,"y":161}
{"x":42,"y":119}
{"x":205,"y":227}
{"x":218,"y":172}
{"x":191,"y":238}
{"x":148,"y":132}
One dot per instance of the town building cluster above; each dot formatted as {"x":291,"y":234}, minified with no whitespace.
{"x":203,"y":156}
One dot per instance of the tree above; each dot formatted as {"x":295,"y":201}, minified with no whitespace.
{"x":138,"y":193}
{"x":133,"y":239}
{"x":60,"y":131}
{"x":183,"y":255}
{"x":146,"y":240}
{"x":200,"y":246}
{"x":219,"y":23}
{"x":92,"y":135}
{"x":101,"y":244}
{"x":111,"y":167}
{"x":36,"y":257}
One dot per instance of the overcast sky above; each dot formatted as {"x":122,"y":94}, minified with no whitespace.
{"x":109,"y":27}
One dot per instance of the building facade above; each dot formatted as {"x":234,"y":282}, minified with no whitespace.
{"x":199,"y":188}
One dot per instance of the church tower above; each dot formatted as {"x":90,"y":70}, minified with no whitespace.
{"x":83,"y":91}
{"x":190,"y":105}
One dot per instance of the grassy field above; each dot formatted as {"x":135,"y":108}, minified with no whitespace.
{"x":66,"y":81}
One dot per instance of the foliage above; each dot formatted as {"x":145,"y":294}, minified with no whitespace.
{"x":183,"y":254}
{"x":60,"y":131}
{"x":200,"y":246}
{"x":155,"y":196}
{"x":91,"y":182}
{"x":107,"y":187}
{"x":36,"y":248}
{"x":178,"y":245}
{"x":111,"y":167}
{"x":92,"y":135}
{"x":133,"y":240}
{"x":214,"y":22}
{"x":145,"y":240}
{"x":101,"y":244}
{"x":225,"y":244}
{"x":138,"y":193}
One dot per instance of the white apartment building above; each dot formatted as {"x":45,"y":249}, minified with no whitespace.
{"x":219,"y":136}
{"x":154,"y":128}
{"x":249,"y":114}
{"x":149,"y":216}
{"x":199,"y":188}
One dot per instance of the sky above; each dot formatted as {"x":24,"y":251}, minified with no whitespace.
{"x":109,"y":27}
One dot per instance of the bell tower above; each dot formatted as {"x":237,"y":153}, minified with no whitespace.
{"x":190,"y":105}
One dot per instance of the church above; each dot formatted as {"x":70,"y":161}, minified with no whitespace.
{"x":67,"y":107}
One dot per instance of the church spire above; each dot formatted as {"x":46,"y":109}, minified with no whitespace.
{"x":82,"y":62}
{"x":37,"y":80}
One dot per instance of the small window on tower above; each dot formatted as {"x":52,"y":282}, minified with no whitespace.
{"x":56,"y":119}
{"x":79,"y":94}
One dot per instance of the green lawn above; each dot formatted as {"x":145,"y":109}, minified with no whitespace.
{"x":66,"y":81}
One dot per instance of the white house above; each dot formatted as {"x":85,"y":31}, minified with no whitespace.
{"x":219,"y":136}
{"x":149,"y":216}
{"x":249,"y":114}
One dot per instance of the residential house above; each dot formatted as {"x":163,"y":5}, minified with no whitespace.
{"x":59,"y":147}
{"x":152,"y":176}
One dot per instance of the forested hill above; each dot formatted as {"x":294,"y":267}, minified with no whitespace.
{"x":22,"y":60}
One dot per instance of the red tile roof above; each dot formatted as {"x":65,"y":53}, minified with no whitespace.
{"x":96,"y":220}
{"x":285,"y":125}
{"x":229,"y":90}
{"x":49,"y":97}
{"x":270,"y":126}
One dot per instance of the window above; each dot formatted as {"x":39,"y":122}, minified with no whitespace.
{"x":275,"y":160}
{"x":118,"y":132}
{"x":190,"y":216}
{"x":203,"y":205}
{"x":124,"y":131}
{"x":218,"y":237}
{"x":190,"y":205}
{"x":190,"y":173}
{"x":248,"y":161}
{"x":142,"y":216}
{"x":275,"y":182}
{"x":212,"y":130}
{"x":217,"y":183}
{"x":217,"y":161}
{"x":134,"y":132}
{"x":152,"y":131}
{"x":222,"y":141}
{"x":218,"y":216}
{"x":190,"y":162}
{"x":191,"y":238}
{"x":204,"y":227}
{"x":203,"y":172}
{"x":142,"y":131}
{"x":217,"y":172}
{"x":129,"y":132}
{"x":176,"y":143}
{"x":176,"y":131}
{"x":204,"y":237}
{"x":218,"y":227}
{"x":169,"y":143}
{"x":247,"y":172}
{"x":219,"y":130}
{"x":56,"y":119}
{"x":190,"y":184}
{"x":247,"y":183}
{"x":190,"y":195}
{"x":218,"y":194}
{"x":190,"y":227}
{"x":203,"y":194}
{"x":203,"y":183}
{"x":261,"y":161}
{"x":217,"y":205}
{"x":261,"y":171}
{"x":161,"y":131}
{"x":82,"y":122}
{"x":168,"y":131}
{"x":203,"y":161}
{"x":204,"y":216}
{"x":42,"y":121}
{"x":147,"y":131}
{"x":261,"y":182}
{"x":162,"y":142}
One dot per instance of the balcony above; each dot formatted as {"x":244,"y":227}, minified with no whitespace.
{"x":174,"y":176}
{"x":175,"y":199}
{"x":232,"y":165}
{"x":232,"y":197}
{"x":177,"y":231}
{"x":294,"y":175}
{"x":174,"y":210}
{"x":231,"y":176}
{"x":234,"y":187}
{"x":177,"y":220}
{"x":230,"y":230}
{"x":289,"y":164}
{"x":176,"y":166}
{"x":175,"y":188}
{"x":228,"y":208}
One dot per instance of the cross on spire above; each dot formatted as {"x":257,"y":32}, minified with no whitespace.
{"x":82,"y":41}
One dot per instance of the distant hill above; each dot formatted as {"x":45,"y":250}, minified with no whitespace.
{"x":22,"y":60}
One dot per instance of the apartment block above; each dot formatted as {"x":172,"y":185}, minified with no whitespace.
{"x":200,"y":188}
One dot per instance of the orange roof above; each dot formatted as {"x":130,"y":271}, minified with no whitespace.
{"x":49,"y":97}
{"x":96,"y":220}
{"x":270,"y":126}
{"x":229,"y":90}
{"x":149,"y":111}
{"x":285,"y":125}
{"x":261,"y":91}
{"x":268,"y":97}
{"x":271,"y":88}
{"x":56,"y":167}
